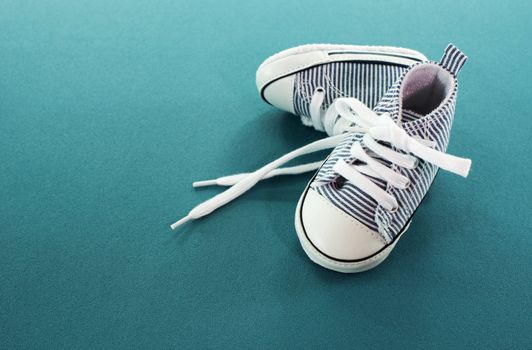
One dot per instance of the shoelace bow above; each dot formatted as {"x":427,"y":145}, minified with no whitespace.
{"x":345,"y":115}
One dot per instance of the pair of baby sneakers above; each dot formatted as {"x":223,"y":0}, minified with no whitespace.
{"x":387,"y":113}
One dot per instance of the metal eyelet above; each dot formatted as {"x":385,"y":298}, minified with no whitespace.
{"x":340,"y":182}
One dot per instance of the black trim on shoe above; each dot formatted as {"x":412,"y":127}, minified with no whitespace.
{"x":333,"y":53}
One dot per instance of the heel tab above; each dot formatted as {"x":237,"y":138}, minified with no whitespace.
{"x":453,"y":59}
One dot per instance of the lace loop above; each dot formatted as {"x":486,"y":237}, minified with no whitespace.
{"x":343,"y":116}
{"x":387,"y":130}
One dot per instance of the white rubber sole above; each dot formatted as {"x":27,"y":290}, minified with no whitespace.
{"x":339,"y":266}
{"x":337,"y":47}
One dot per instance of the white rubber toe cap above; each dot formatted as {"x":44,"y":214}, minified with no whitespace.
{"x":270,"y":71}
{"x":336,"y":234}
{"x":280,"y":93}
{"x":275,"y":80}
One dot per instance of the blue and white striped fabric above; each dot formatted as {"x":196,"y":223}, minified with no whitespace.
{"x":367,"y":82}
{"x":434,"y":126}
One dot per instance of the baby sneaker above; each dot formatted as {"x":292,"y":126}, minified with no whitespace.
{"x":306,"y":79}
{"x":361,"y":200}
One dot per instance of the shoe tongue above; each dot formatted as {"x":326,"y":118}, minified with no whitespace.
{"x":407,"y":119}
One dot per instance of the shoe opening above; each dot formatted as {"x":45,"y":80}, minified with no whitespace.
{"x":425,"y":88}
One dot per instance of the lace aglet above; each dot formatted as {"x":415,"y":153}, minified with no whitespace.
{"x":467,"y":167}
{"x":204,"y":183}
{"x":180,"y":222}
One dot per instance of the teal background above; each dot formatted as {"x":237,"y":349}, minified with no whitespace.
{"x":110,"y":109}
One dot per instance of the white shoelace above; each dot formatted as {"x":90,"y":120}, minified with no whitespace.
{"x":338,"y":119}
{"x":329,"y":121}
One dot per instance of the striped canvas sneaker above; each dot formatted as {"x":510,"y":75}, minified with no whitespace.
{"x":304,"y":80}
{"x":361,"y":200}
